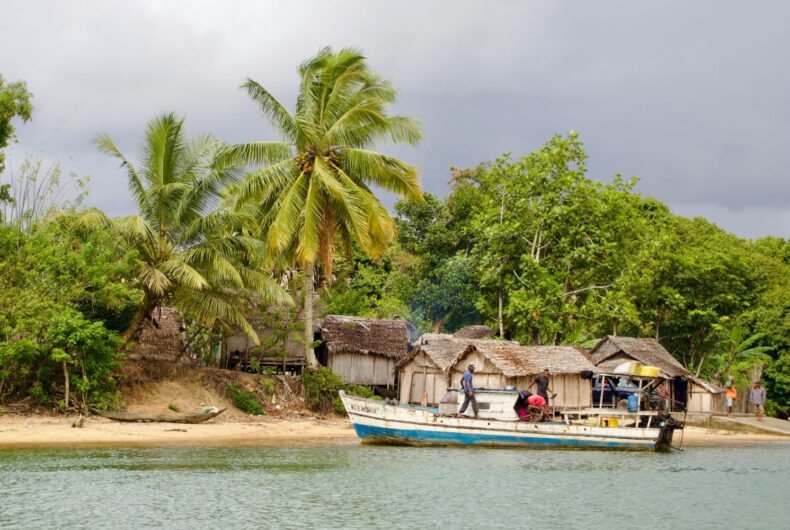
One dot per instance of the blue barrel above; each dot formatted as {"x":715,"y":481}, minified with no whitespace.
{"x":633,"y":403}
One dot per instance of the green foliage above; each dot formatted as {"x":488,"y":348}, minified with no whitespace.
{"x":63,"y":297}
{"x":173,"y":407}
{"x":268,"y":386}
{"x":14,"y":103}
{"x":321,"y":387}
{"x":190,"y":248}
{"x":35,"y":194}
{"x":244,"y":400}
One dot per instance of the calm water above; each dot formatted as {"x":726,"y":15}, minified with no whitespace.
{"x":391,"y":487}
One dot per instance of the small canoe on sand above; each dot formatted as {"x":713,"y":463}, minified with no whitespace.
{"x":196,"y":417}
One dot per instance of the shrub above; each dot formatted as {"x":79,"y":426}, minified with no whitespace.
{"x":269,"y":387}
{"x":320,"y":389}
{"x":244,"y":400}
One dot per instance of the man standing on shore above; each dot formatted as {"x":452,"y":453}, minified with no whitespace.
{"x":468,"y":386}
{"x":757,"y":396}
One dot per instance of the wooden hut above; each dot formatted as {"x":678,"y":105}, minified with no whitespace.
{"x":362,"y":351}
{"x":686,"y":390}
{"x":160,"y":338}
{"x":286,"y":355}
{"x":424,"y":374}
{"x":499,"y":364}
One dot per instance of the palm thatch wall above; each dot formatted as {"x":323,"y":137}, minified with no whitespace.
{"x":160,"y":338}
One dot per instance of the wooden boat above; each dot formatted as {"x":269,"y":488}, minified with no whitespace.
{"x":196,"y":417}
{"x":386,"y":422}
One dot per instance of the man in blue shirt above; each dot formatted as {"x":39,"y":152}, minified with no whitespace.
{"x":467,"y":385}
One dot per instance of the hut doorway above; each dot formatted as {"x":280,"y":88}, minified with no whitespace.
{"x":680,"y":389}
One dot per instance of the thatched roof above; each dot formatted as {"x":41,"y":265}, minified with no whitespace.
{"x":343,"y":334}
{"x":160,"y":338}
{"x":474,"y":332}
{"x":646,"y":351}
{"x":516,"y":361}
{"x":444,"y":350}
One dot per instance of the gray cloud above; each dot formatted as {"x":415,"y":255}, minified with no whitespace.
{"x":691,"y":97}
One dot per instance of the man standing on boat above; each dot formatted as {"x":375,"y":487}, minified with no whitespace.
{"x":467,"y":384}
{"x":542,"y":382}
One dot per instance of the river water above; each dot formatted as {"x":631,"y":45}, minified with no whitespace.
{"x":350,"y":485}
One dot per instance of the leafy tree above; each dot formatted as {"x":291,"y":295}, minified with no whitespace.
{"x":63,"y":297}
{"x":187,"y":253}
{"x":14,"y":103}
{"x":314,"y":191}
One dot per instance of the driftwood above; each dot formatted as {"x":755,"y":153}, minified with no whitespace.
{"x":197,"y":417}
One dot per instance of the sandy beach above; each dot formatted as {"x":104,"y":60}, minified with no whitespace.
{"x":50,"y":431}
{"x":54,"y":431}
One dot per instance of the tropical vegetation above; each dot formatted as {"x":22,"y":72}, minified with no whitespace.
{"x":532,"y":246}
{"x":314,"y":192}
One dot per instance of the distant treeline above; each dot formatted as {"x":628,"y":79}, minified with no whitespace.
{"x":534,"y":248}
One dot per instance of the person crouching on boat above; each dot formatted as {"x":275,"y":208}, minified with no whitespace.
{"x":468,"y":386}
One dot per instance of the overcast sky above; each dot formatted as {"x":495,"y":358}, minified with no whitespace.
{"x":692,"y":97}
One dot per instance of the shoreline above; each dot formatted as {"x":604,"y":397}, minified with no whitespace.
{"x":46,"y":432}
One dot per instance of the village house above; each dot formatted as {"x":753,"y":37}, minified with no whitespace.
{"x":362,"y":351}
{"x":686,"y":390}
{"x":285,"y":353}
{"x":500,"y":364}
{"x":424,"y":374}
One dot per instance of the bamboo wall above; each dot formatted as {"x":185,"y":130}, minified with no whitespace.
{"x":421,"y":376}
{"x":358,"y":369}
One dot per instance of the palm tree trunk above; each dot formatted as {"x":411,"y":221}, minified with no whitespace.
{"x":138,"y":319}
{"x":66,"y":384}
{"x":309,"y":353}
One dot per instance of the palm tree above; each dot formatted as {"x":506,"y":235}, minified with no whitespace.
{"x":314,"y":190}
{"x":187,"y":254}
{"x":742,"y":355}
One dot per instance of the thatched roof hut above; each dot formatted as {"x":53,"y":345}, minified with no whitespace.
{"x":360,"y":350}
{"x":474,"y":332}
{"x":160,"y":338}
{"x":686,"y":389}
{"x":612,"y":351}
{"x":424,"y":374}
{"x":499,"y":364}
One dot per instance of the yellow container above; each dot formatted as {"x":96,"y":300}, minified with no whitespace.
{"x":649,"y":371}
{"x":610,"y":422}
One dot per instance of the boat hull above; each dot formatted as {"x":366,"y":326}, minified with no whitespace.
{"x":377,"y":422}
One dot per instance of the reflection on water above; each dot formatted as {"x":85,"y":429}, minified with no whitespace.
{"x":370,"y":486}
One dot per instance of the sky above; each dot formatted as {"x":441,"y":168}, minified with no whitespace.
{"x":691,"y":97}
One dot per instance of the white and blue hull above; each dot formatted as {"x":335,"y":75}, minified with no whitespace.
{"x":377,"y":422}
